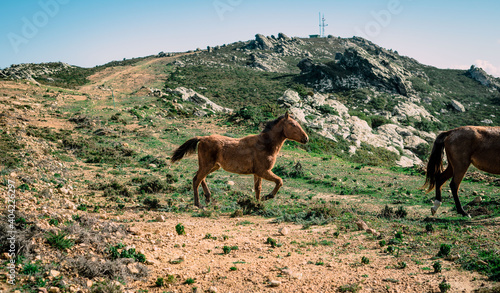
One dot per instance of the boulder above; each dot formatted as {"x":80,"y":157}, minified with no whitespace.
{"x":457,"y":106}
{"x":356,"y":68}
{"x":482,"y":77}
{"x":204,"y":102}
{"x":290,"y":98}
{"x":263,"y":42}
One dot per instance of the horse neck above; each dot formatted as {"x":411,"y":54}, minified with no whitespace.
{"x":274,"y":139}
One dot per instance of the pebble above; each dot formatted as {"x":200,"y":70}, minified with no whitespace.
{"x":212,"y":289}
{"x":54,"y":290}
{"x":478,"y":199}
{"x":132,"y":269}
{"x":362,"y":226}
{"x":54,"y":273}
{"x":274,"y":283}
{"x":160,"y":218}
{"x":284,"y":231}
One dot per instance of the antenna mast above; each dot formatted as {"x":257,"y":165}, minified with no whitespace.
{"x":322,"y":25}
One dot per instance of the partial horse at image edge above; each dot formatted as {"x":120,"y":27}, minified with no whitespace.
{"x":466,"y":145}
{"x":253,"y":154}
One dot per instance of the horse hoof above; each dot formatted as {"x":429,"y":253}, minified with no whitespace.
{"x":267,"y":197}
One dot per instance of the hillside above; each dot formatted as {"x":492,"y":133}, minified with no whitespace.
{"x":354,"y":93}
{"x":99,"y":208}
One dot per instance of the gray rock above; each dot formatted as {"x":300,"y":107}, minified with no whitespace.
{"x":482,"y":77}
{"x":457,"y":106}
{"x":263,"y":42}
{"x":289,"y":98}
{"x":284,"y":37}
{"x":204,"y":102}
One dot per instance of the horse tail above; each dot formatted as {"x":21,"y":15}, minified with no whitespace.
{"x":435,"y":164}
{"x":187,"y":148}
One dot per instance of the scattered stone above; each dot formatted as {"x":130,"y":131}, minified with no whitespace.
{"x":477,"y":199}
{"x":63,"y":190}
{"x":457,"y":106}
{"x":5,"y":255}
{"x":160,"y":218}
{"x":42,"y":290}
{"x":132,"y":268}
{"x":47,"y":193}
{"x":54,"y":273}
{"x":362,"y":226}
{"x":372,"y":231}
{"x":89,"y":283}
{"x":231,"y":183}
{"x":274,"y":283}
{"x":212,"y":289}
{"x":54,"y":290}
{"x":284,"y":231}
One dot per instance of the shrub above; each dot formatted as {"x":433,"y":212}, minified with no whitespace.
{"x":365,"y":260}
{"x":179,"y":228}
{"x":437,"y":267}
{"x":389,"y":213}
{"x":160,"y":282}
{"x":226,"y":249}
{"x":444,"y":250}
{"x":59,"y":240}
{"x":444,"y":287}
{"x":151,"y":203}
{"x":271,"y":242}
{"x":153,"y":185}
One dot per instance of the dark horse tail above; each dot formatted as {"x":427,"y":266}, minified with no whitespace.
{"x":435,"y":165}
{"x":189,"y":147}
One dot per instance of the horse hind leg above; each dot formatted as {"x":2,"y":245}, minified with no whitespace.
{"x":206,"y":190}
{"x":198,"y":179}
{"x":440,"y":180}
{"x":455,"y":185}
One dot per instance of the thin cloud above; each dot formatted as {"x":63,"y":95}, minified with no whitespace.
{"x":488,"y":67}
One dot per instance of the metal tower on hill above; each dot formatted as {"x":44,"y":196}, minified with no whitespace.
{"x":322,"y":25}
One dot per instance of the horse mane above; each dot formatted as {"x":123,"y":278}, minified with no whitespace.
{"x":271,"y":124}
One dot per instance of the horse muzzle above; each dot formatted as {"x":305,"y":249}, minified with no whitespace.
{"x":305,"y":139}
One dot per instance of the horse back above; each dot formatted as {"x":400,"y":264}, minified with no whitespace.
{"x":479,"y":145}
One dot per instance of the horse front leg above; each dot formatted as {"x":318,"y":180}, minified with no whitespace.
{"x":257,"y":181}
{"x":270,"y":176}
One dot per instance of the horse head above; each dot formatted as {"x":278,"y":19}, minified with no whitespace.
{"x":292,"y":130}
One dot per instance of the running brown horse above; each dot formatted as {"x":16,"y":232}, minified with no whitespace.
{"x":253,"y":154}
{"x":476,"y":145}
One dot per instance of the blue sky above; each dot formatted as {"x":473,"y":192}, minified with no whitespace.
{"x":445,"y":34}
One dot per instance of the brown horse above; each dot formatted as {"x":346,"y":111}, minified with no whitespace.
{"x":476,"y":145}
{"x":253,"y":154}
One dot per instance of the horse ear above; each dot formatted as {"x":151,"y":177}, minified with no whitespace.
{"x":287,"y":115}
